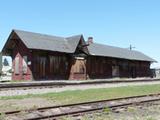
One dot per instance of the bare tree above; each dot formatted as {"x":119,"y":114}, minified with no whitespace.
{"x":5,"y":62}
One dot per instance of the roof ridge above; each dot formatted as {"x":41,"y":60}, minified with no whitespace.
{"x":74,"y":36}
{"x":42,"y":34}
{"x":116,"y":47}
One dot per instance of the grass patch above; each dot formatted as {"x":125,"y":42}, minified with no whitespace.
{"x":92,"y":94}
{"x":19,"y":81}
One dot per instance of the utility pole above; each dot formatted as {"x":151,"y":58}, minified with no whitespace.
{"x":131,"y":47}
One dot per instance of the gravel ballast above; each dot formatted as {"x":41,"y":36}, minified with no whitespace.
{"x":15,"y":92}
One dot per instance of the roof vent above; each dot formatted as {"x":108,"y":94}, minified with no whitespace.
{"x":90,"y":40}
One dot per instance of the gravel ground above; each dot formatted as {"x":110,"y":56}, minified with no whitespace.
{"x":124,"y":111}
{"x":74,"y":87}
{"x":150,"y":111}
{"x":146,"y":111}
{"x":23,"y":104}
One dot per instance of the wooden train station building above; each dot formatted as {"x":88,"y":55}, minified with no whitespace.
{"x":44,"y":57}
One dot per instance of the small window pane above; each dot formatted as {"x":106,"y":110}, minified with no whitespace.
{"x":24,"y":64}
{"x":17,"y":65}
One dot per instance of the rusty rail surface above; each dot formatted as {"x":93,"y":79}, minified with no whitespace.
{"x":90,"y":109}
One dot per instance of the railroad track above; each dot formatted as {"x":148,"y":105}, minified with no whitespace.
{"x":55,"y":112}
{"x":59,"y":84}
{"x":31,"y":87}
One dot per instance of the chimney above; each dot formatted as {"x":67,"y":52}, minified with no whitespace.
{"x":90,"y":40}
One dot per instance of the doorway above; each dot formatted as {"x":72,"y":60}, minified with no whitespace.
{"x":40,"y":67}
{"x":115,"y":71}
{"x":78,"y":69}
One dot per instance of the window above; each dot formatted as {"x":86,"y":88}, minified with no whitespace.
{"x":115,"y":71}
{"x":17,"y":65}
{"x":24,"y":67}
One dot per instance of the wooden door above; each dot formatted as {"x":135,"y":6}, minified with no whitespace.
{"x":40,"y":67}
{"x":115,"y":71}
{"x":42,"y":71}
{"x":78,"y":69}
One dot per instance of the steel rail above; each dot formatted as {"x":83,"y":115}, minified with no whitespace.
{"x":84,"y":103}
{"x":62,"y":84}
{"x":91,"y":110}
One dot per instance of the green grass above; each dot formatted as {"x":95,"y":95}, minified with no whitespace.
{"x":19,"y":81}
{"x":92,"y":94}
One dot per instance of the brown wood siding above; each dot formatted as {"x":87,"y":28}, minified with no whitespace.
{"x":98,"y":67}
{"x":103,"y":67}
{"x":19,"y":51}
{"x":47,"y":65}
{"x":50,"y":65}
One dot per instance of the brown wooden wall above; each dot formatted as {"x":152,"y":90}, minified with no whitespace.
{"x":98,"y":67}
{"x":50,"y":65}
{"x":19,"y":51}
{"x":47,"y":65}
{"x":102,"y":67}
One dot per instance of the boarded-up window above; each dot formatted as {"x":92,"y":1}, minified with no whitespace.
{"x":115,"y":71}
{"x":124,"y":66}
{"x":24,"y":64}
{"x":17,"y":65}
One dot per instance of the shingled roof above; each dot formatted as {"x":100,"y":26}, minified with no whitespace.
{"x":69,"y":45}
{"x":96,"y":49}
{"x":48,"y":42}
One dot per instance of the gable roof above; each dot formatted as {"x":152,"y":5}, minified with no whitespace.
{"x":69,"y":45}
{"x":48,"y":42}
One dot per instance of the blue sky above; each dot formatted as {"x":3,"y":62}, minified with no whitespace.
{"x":113,"y":22}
